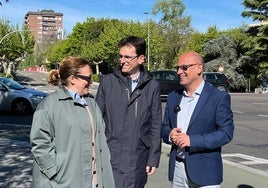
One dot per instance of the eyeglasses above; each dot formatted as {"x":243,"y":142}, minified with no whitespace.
{"x":185,"y":67}
{"x":128,"y":58}
{"x":86,"y":78}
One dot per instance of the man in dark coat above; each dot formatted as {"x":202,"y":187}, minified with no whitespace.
{"x":130,"y":102}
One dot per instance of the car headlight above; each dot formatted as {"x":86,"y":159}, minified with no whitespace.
{"x":37,"y":97}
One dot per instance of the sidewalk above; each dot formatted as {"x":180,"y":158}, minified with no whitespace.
{"x":233,"y":176}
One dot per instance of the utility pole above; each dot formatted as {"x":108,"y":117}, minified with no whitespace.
{"x":148,"y":39}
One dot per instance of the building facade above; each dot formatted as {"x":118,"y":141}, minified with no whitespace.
{"x":45,"y":25}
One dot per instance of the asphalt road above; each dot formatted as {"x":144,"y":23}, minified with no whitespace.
{"x":249,"y":143}
{"x":251,"y":125}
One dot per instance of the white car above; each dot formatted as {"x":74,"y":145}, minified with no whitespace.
{"x":17,"y":98}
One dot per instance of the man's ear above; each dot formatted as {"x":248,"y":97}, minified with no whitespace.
{"x":141,"y":59}
{"x":201,"y":67}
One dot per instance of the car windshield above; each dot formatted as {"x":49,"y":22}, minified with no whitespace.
{"x":12,"y":84}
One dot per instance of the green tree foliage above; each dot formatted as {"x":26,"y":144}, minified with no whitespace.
{"x":197,"y":39}
{"x":9,"y":39}
{"x":176,"y":28}
{"x":224,"y":51}
{"x":16,"y":43}
{"x":97,"y":40}
{"x":113,"y":32}
{"x":1,"y":2}
{"x":57,"y":52}
{"x":258,"y":11}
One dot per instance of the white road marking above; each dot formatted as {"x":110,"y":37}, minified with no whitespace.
{"x":238,"y":112}
{"x":261,"y":115}
{"x":246,"y":162}
{"x":262,"y":104}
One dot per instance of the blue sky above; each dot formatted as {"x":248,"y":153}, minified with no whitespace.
{"x":224,"y":14}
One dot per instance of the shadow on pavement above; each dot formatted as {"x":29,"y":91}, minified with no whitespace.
{"x":244,"y":186}
{"x":21,"y":78}
{"x":15,"y":154}
{"x":25,"y":80}
{"x":16,"y":164}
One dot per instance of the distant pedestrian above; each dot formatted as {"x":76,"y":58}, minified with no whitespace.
{"x":67,"y":135}
{"x":264,"y":81}
{"x":198,"y":121}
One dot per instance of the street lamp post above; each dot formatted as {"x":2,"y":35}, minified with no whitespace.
{"x":15,"y":31}
{"x":148,"y":40}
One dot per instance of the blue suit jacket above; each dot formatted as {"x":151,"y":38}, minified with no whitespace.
{"x":211,"y":126}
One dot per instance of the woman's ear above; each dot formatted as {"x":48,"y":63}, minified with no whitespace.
{"x":71,"y":79}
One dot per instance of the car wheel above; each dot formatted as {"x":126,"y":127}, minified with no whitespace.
{"x":221,"y":88}
{"x":21,"y":107}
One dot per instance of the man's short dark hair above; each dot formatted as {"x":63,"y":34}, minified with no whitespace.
{"x":137,"y":42}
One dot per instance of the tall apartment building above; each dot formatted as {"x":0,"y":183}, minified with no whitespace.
{"x":45,"y":25}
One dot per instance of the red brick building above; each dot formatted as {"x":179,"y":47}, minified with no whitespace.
{"x":45,"y":25}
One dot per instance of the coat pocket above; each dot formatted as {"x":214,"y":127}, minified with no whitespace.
{"x":145,"y":141}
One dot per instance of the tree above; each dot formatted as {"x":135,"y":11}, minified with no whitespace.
{"x":113,"y":32}
{"x":15,"y":44}
{"x":197,"y":39}
{"x":258,"y":11}
{"x":223,"y":51}
{"x":176,"y":28}
{"x":1,"y":4}
{"x":97,"y":40}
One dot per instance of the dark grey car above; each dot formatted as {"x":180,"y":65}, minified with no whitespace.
{"x":218,"y":80}
{"x":168,"y":80}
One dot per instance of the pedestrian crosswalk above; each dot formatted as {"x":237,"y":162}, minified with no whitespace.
{"x":246,"y":162}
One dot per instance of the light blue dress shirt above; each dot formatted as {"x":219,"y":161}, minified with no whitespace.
{"x":134,"y":82}
{"x":187,"y":107}
{"x":77,"y":97}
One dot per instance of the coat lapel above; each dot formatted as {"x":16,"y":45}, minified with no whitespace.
{"x":177,"y":101}
{"x":201,"y":103}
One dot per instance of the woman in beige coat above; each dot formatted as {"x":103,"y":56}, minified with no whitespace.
{"x":67,"y":136}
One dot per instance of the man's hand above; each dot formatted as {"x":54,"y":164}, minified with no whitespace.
{"x":183,"y":140}
{"x":150,"y":170}
{"x":178,"y":138}
{"x":174,"y":135}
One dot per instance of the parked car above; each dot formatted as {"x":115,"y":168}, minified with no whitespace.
{"x":218,"y":80}
{"x":17,"y":98}
{"x":168,"y":80}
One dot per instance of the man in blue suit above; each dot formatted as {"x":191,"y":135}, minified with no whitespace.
{"x":198,"y":121}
